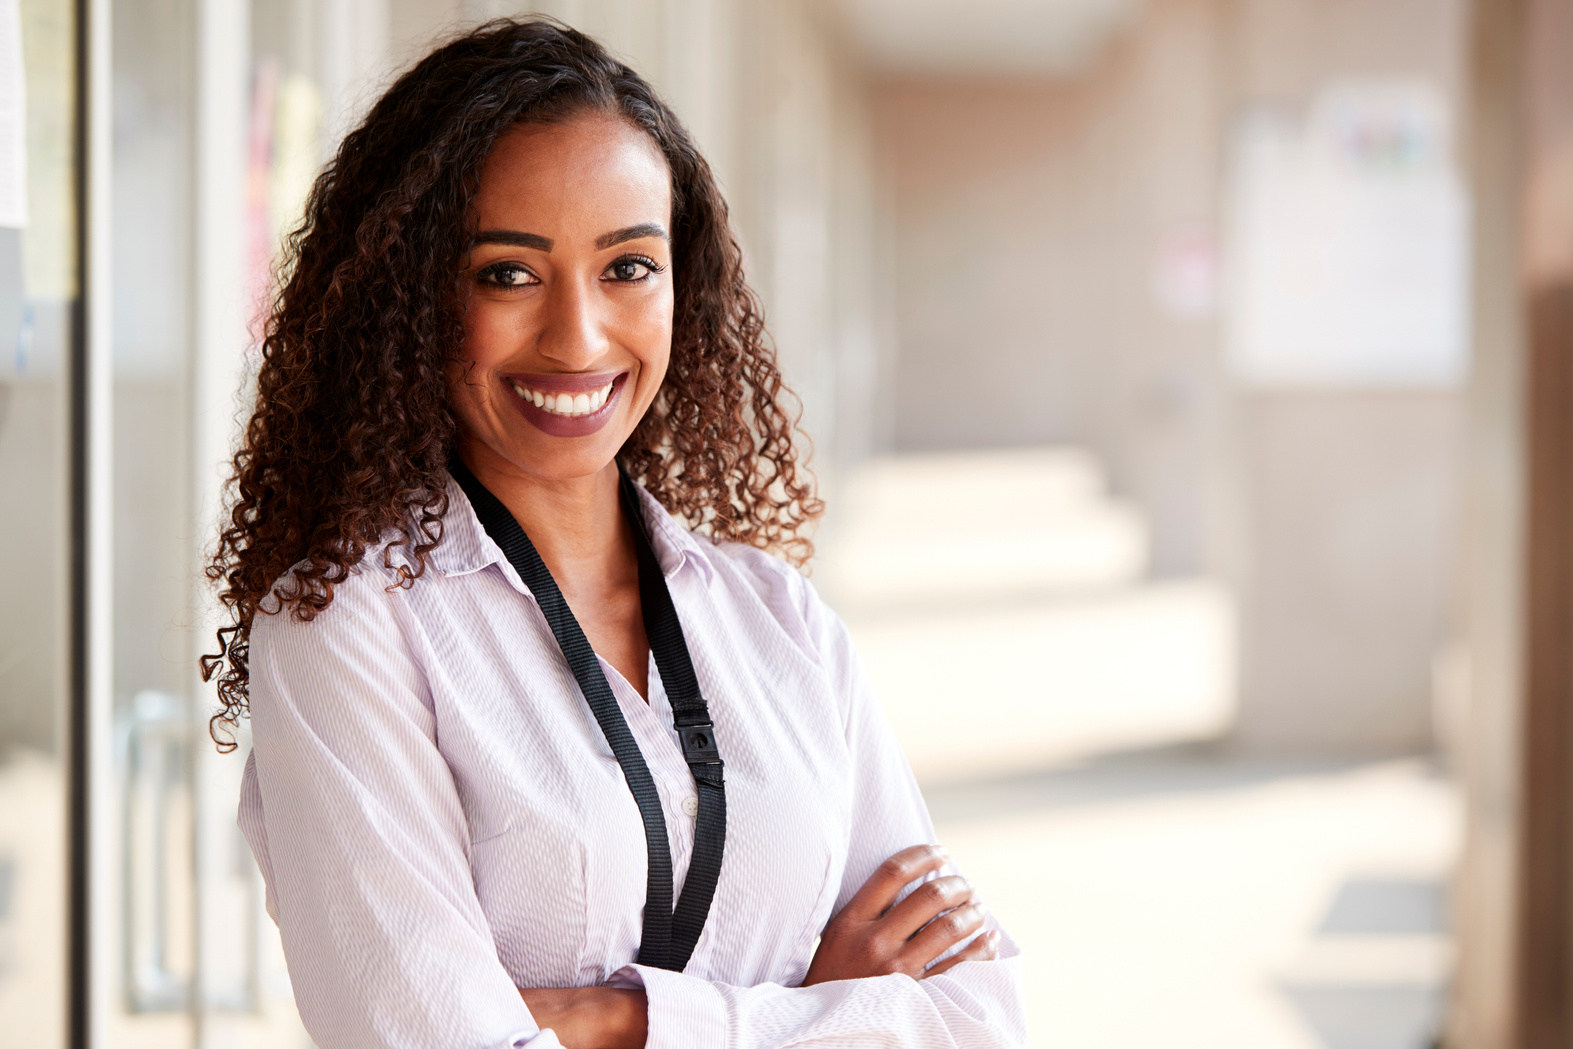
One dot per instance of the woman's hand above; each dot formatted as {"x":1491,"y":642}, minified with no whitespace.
{"x":591,"y":1017}
{"x":870,"y":937}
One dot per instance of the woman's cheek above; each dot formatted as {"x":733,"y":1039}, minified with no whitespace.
{"x":489,"y":332}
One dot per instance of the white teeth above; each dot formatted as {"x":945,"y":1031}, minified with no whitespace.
{"x":566,"y":403}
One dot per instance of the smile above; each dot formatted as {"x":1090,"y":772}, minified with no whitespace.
{"x":568,"y":405}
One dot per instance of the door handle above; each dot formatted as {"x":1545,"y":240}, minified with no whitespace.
{"x":168,"y":888}
{"x":155,"y":794}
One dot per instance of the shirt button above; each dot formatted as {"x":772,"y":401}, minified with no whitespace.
{"x":690,"y":806}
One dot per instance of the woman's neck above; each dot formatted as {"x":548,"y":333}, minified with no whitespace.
{"x":578,"y":527}
{"x":575,"y":523}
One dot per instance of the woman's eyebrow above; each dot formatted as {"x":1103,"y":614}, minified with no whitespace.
{"x":514,"y":238}
{"x":644,"y":229}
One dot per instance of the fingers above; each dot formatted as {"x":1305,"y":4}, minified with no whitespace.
{"x":925,"y":903}
{"x":944,"y":932}
{"x":984,"y":949}
{"x":895,"y":874}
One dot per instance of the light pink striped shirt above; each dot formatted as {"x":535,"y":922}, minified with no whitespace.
{"x":439,"y":819}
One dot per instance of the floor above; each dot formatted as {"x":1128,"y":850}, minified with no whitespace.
{"x":32,"y":900}
{"x":1185,"y":898}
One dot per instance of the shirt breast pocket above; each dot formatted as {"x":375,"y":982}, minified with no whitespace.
{"x":530,"y":881}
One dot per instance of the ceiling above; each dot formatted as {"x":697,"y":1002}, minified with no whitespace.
{"x":983,"y":37}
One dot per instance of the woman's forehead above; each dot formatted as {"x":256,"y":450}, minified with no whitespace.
{"x":592,"y":169}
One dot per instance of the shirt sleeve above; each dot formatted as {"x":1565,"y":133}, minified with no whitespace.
{"x":355,"y":819}
{"x":973,"y":1005}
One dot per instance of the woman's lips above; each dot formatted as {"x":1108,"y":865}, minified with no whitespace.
{"x":563,"y":382}
{"x":567,"y":405}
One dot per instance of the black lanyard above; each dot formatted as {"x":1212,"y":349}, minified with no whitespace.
{"x":669,"y":936}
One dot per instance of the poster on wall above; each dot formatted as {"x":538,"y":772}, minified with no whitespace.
{"x":1347,"y":257}
{"x":13,"y":119}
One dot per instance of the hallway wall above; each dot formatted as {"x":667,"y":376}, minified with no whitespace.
{"x":1059,"y":253}
{"x":1031,"y":220}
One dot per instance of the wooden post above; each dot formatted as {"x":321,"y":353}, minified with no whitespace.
{"x":1545,"y":914}
{"x":1545,"y":917}
{"x":1514,"y":984}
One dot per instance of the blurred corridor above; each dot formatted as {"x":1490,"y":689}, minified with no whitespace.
{"x":1069,"y":717}
{"x":1022,"y":602}
{"x":1188,"y":387}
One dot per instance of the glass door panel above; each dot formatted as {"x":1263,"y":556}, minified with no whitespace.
{"x":152,"y":936}
{"x":38,"y":297}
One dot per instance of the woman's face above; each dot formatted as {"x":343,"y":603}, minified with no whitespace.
{"x":568,"y":290}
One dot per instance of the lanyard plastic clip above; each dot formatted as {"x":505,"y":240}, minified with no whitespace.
{"x":699,"y":746}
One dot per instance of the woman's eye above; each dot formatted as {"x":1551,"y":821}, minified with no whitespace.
{"x":632,"y":270}
{"x":507,"y":275}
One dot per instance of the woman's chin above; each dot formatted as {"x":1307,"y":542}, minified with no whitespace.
{"x":557,"y":459}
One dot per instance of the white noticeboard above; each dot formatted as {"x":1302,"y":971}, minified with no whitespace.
{"x":1347,"y":259}
{"x":13,"y":118}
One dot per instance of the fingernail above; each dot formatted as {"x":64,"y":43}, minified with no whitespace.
{"x":941,"y":851}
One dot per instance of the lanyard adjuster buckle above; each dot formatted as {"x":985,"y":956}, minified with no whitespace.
{"x":699,"y":746}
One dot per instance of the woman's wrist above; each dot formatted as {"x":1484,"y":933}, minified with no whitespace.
{"x":591,"y":1017}
{"x":618,"y":1017}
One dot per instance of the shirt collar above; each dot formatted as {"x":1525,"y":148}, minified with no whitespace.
{"x":466,"y":547}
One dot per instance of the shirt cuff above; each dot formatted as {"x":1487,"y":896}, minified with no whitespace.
{"x":538,"y":1039}
{"x":684,"y":1012}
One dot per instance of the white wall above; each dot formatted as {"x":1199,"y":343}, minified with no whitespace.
{"x":1031,"y":216}
{"x":1051,"y":244}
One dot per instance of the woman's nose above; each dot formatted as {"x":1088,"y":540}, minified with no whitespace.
{"x":574,"y":334}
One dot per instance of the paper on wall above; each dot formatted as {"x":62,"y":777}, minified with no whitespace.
{"x":1348,"y":260}
{"x":13,"y":118}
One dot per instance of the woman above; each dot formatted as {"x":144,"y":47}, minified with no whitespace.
{"x":464,"y":637}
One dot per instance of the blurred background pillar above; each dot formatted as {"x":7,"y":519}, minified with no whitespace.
{"x":1545,"y":992}
{"x":1514,"y":985}
{"x":1485,"y":745}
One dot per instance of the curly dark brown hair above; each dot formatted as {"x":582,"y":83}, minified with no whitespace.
{"x":350,"y":438}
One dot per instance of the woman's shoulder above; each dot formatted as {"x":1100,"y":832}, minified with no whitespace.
{"x":752,"y":561}
{"x":764,"y":572}
{"x":364,"y":589}
{"x":311,"y":638}
{"x":785,"y":591}
{"x":770,"y":584}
